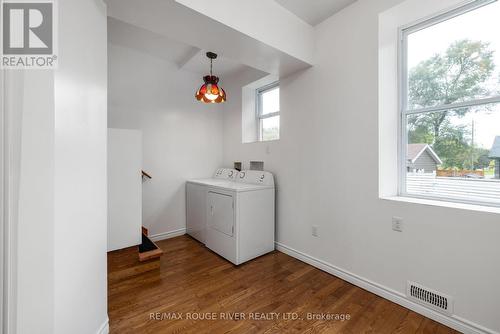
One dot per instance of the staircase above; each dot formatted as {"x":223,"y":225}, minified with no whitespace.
{"x":148,"y":250}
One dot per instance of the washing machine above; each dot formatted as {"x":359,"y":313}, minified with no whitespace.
{"x":238,"y":223}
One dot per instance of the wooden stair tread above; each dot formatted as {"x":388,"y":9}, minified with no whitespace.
{"x":148,"y":250}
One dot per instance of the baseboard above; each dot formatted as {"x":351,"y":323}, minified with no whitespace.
{"x":455,"y":322}
{"x":168,"y":235}
{"x":104,"y":329}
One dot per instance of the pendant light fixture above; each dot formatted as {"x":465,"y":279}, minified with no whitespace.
{"x":210,"y":91}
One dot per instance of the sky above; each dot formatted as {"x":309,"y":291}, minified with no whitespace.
{"x":481,"y":24}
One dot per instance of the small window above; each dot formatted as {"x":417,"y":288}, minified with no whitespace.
{"x":268,"y":112}
{"x":450,"y":106}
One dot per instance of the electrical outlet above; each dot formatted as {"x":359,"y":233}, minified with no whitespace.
{"x":397,"y":224}
{"x":314,"y":231}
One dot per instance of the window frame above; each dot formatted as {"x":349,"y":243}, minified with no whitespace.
{"x":404,"y":111}
{"x":258,"y":108}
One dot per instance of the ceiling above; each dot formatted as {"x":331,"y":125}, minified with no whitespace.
{"x":224,"y":67}
{"x":314,"y":11}
{"x":183,"y":55}
{"x":132,"y":37}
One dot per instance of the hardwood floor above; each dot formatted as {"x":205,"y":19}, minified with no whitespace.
{"x":192,"y":281}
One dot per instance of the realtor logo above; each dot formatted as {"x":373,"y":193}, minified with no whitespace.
{"x":28,"y":31}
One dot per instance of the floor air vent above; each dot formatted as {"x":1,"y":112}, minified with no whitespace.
{"x":433,"y":299}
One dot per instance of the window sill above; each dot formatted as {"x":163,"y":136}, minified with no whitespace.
{"x":444,"y":204}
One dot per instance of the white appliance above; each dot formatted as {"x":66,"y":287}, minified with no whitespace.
{"x":233,"y":213}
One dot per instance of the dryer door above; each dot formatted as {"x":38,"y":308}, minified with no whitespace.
{"x":221,"y":213}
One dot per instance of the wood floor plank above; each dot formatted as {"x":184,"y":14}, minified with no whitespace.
{"x":274,"y":293}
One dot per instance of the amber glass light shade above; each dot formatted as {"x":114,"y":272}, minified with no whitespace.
{"x":210,"y":91}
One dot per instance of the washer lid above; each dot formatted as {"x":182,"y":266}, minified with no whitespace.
{"x":211,"y":182}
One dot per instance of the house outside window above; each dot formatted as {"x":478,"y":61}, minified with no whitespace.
{"x":268,"y":112}
{"x":450,"y":106}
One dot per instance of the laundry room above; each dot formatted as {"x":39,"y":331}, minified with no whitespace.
{"x":235,"y":166}
{"x":180,"y":137}
{"x":157,"y":126}
{"x":257,"y":170}
{"x":170,"y":185}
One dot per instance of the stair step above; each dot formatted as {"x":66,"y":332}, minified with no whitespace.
{"x":148,"y":250}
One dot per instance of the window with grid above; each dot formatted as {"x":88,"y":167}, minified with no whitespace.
{"x":450,"y":106}
{"x":268,"y":112}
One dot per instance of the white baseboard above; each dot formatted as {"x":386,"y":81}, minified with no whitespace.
{"x":168,"y":235}
{"x":455,"y":322}
{"x":104,"y":329}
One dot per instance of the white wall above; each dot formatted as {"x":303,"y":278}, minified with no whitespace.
{"x":34,"y":99}
{"x":59,"y":136}
{"x":124,"y":188}
{"x":12,"y":94}
{"x":326,"y":167}
{"x":27,"y":141}
{"x":80,"y":237}
{"x":182,"y":138}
